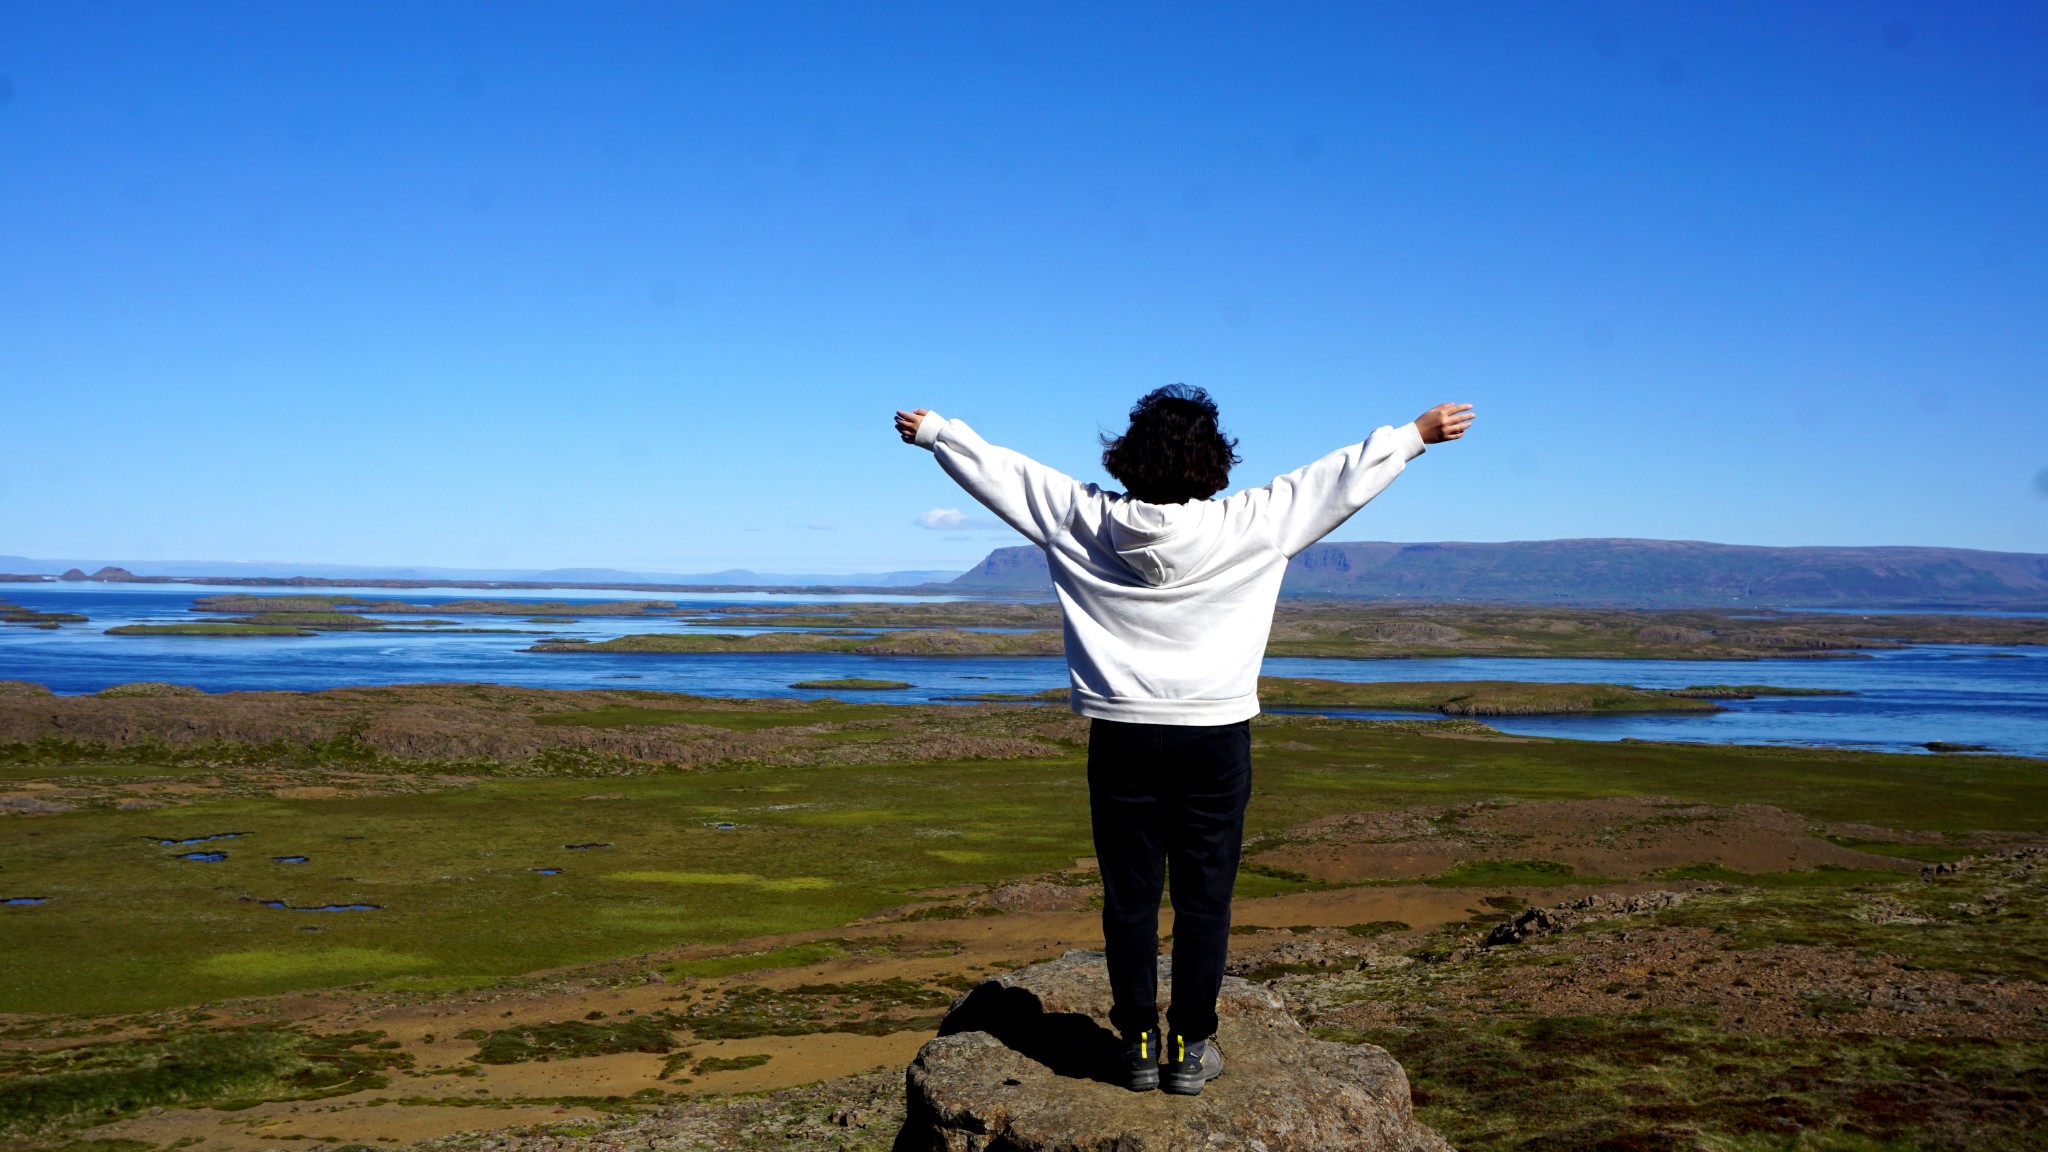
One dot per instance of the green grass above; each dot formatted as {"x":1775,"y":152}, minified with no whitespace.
{"x":2001,"y":938}
{"x":318,"y":621}
{"x":1360,"y":765}
{"x":1743,"y":691}
{"x":737,"y":719}
{"x":864,"y":1007}
{"x":1049,"y":696}
{"x":1924,"y":853}
{"x":729,"y":1063}
{"x":1474,"y":697}
{"x":1509,"y":874}
{"x":41,"y":1091}
{"x":1256,"y":880}
{"x":569,"y":1039}
{"x":129,"y":928}
{"x":1821,"y":876}
{"x":1495,"y":1074}
{"x":9,"y":614}
{"x":1672,"y":1081}
{"x":794,"y":956}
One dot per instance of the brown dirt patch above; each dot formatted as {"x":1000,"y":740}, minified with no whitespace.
{"x":1788,"y":989}
{"x":1621,"y":838}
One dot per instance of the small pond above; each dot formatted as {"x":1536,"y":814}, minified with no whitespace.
{"x":176,"y":843}
{"x":288,"y":907}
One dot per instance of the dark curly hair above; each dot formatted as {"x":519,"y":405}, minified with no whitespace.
{"x":1173,"y":451}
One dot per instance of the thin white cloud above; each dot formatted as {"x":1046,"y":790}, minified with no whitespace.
{"x":954,"y":520}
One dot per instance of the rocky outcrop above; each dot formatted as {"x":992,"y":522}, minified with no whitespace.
{"x":1572,"y":913}
{"x":2025,"y":859}
{"x":1026,"y":1063}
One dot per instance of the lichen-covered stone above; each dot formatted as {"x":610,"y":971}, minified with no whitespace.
{"x":1026,"y":1063}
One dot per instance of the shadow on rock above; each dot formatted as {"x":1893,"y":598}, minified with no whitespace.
{"x":1070,"y":1044}
{"x":1025,"y":1063}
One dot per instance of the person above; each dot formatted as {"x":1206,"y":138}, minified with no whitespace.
{"x":1167,"y":597}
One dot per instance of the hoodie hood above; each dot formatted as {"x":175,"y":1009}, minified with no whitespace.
{"x":1160,"y":543}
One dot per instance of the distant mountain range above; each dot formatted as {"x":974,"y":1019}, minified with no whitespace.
{"x":732,"y":576}
{"x":1615,"y":573}
{"x":1628,"y":573}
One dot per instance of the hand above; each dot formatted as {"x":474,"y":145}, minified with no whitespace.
{"x":907,"y":422}
{"x":1441,"y":423}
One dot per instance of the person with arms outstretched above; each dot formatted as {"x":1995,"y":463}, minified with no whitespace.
{"x":1167,"y":597}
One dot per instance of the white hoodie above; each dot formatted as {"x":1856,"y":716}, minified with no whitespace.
{"x":1167,"y":606}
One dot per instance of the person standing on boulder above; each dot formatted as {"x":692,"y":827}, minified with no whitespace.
{"x":1167,"y":597}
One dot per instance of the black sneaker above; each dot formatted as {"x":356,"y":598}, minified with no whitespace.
{"x":1187,"y":1066}
{"x":1141,"y":1061}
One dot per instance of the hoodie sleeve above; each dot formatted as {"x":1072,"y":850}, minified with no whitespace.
{"x":1311,"y":502}
{"x":1028,"y":496}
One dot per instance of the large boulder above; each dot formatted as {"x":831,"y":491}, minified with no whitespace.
{"x":1026,"y":1062}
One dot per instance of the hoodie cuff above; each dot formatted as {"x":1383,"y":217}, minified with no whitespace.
{"x":928,"y":430}
{"x":1409,"y":437}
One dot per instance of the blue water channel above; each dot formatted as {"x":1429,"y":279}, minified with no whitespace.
{"x":1903,"y":698}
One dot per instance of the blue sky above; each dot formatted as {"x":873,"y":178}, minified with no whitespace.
{"x":536,"y":285}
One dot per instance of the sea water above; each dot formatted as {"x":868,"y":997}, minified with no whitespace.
{"x":1903,"y":698}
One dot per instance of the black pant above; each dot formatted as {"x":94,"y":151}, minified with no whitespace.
{"x":1163,"y":795}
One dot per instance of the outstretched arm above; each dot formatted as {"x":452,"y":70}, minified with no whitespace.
{"x":1029,"y":496}
{"x":1311,"y":502}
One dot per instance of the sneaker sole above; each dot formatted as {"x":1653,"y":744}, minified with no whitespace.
{"x":1140,"y":1082}
{"x":1185,"y":1085}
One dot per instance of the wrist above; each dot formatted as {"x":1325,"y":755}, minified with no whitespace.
{"x":928,"y":429}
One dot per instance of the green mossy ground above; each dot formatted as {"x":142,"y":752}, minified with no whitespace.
{"x":569,"y":1039}
{"x":1492,"y":1074}
{"x":1468,"y":697}
{"x":1355,"y":629}
{"x":1475,"y":697}
{"x":128,"y":926}
{"x":41,"y":1091}
{"x":1669,"y":1080}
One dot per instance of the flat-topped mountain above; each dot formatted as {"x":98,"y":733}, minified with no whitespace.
{"x":1647,"y":573}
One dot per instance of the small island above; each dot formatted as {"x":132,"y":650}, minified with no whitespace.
{"x":853,"y":683}
{"x":1049,"y":696}
{"x":16,"y":614}
{"x":242,"y":602}
{"x":290,"y":624}
{"x":208,"y":628}
{"x":911,"y":642}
